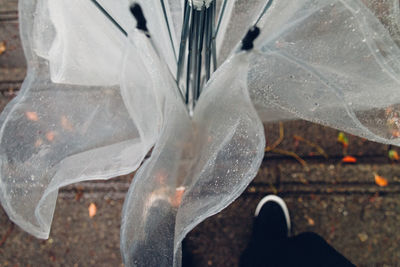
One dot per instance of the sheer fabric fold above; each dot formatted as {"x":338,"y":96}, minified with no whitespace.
{"x":80,"y":44}
{"x":330,"y":62}
{"x":197,"y":167}
{"x":55,"y":134}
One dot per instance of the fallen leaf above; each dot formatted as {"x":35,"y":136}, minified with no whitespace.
{"x":396,"y":133}
{"x":349,"y":159}
{"x":38,"y":142}
{"x":177,"y":199}
{"x":32,"y":116}
{"x":310,"y":221}
{"x":342,"y":138}
{"x":11,"y":91}
{"x":50,"y":136}
{"x":380,"y":180}
{"x":271,"y":187}
{"x":92,"y":210}
{"x":393,"y":155}
{"x":66,"y":124}
{"x":79,"y":193}
{"x":388,"y":110}
{"x":303,"y":180}
{"x":3,"y":47}
{"x":363,"y":237}
{"x":252,"y":189}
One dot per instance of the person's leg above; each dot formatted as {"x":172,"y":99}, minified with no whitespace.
{"x":310,"y":249}
{"x":271,"y":246}
{"x":150,"y":251}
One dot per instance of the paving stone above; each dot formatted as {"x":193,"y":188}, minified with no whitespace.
{"x":8,"y":6}
{"x":75,"y":239}
{"x":363,"y":226}
{"x":267,"y":174}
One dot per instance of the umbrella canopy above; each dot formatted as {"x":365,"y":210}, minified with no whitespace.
{"x":103,"y":89}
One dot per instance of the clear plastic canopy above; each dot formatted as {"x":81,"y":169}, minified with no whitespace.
{"x":95,"y":102}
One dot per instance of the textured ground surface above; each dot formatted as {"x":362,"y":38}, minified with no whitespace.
{"x":340,"y":202}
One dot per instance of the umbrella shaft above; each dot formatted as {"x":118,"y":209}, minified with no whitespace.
{"x":197,"y":50}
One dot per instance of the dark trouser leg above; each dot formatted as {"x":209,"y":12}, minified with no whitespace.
{"x":307,"y":249}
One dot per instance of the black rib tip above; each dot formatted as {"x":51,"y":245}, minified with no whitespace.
{"x":248,"y":40}
{"x":137,"y":12}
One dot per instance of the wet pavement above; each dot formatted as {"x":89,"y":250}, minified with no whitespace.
{"x":339,"y":201}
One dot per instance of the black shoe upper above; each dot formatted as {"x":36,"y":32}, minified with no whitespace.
{"x":270,"y":224}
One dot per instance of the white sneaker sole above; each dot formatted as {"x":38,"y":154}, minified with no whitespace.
{"x":280,"y":202}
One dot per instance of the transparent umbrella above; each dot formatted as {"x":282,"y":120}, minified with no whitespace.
{"x":190,"y":82}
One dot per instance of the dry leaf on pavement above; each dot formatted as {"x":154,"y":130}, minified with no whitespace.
{"x":349,"y":159}
{"x":3,"y":47}
{"x":380,"y":180}
{"x":92,"y":210}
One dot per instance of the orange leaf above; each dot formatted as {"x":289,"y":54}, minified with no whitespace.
{"x":310,"y":221}
{"x":342,"y":138}
{"x":393,"y":155}
{"x":38,"y":142}
{"x":380,"y":180}
{"x":396,"y":133}
{"x":50,"y":136}
{"x":92,"y":210}
{"x":349,"y":159}
{"x":66,"y":124}
{"x":177,"y":198}
{"x":3,"y":47}
{"x":32,"y":116}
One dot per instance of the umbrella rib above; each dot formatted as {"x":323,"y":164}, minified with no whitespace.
{"x":213,"y":42}
{"x":267,"y":6}
{"x":208,"y":40}
{"x":189,"y":57}
{"x":184,"y":36}
{"x":141,"y":20}
{"x":109,"y":17}
{"x":221,"y":15}
{"x":200,"y":52}
{"x":169,"y":28}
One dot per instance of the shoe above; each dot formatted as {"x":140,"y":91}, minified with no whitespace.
{"x":272,"y":220}
{"x":271,"y":227}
